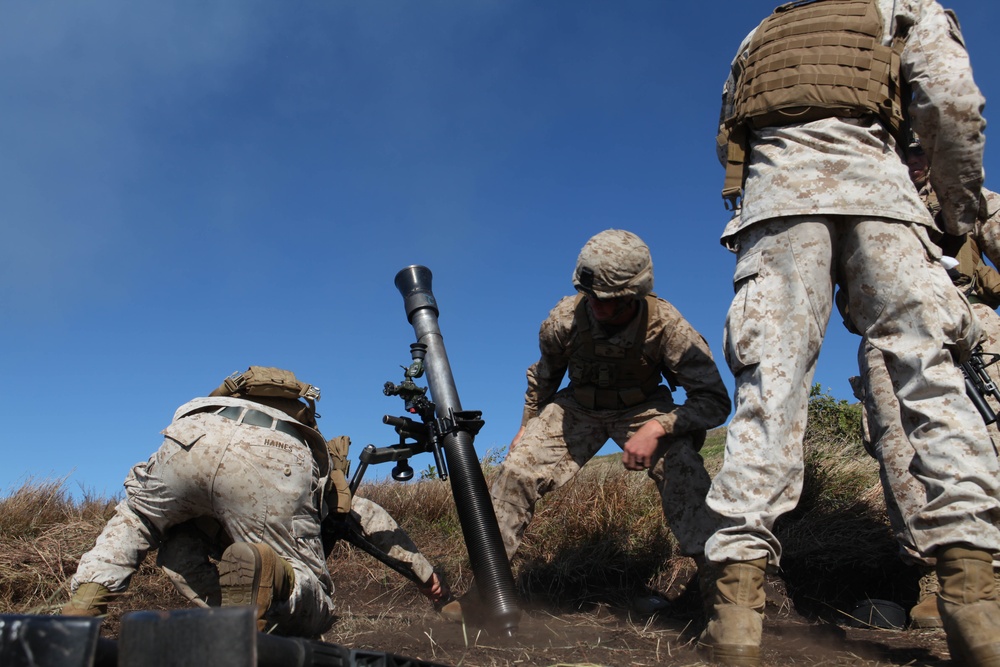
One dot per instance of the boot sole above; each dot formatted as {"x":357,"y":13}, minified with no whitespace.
{"x":736,"y":656}
{"x":241,"y":571}
{"x":984,"y":656}
{"x":964,"y":621}
{"x":452,"y":612}
{"x":928,"y":623}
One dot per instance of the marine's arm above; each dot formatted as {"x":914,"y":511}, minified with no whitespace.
{"x":379,"y":532}
{"x":546,"y":374}
{"x":988,"y":284}
{"x":946,"y":112}
{"x":987,"y":232}
{"x":382,"y":531}
{"x":637,"y":454}
{"x":985,"y":241}
{"x":687,"y":357}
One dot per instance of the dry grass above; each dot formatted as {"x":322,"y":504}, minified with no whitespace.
{"x":594,"y":545}
{"x":43,"y":531}
{"x":38,"y":505}
{"x":600,"y":539}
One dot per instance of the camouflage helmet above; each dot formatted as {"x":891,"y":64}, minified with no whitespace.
{"x":613,"y":264}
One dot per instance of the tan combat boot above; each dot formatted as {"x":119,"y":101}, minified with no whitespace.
{"x":736,"y":613}
{"x":252,"y":574}
{"x":89,"y":600}
{"x":451,"y":611}
{"x":925,"y":613}
{"x":968,"y":605}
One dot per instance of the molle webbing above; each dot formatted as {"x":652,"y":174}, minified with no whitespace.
{"x":268,"y":381}
{"x":606,"y":376}
{"x":276,"y":388}
{"x":819,"y":60}
{"x":815,"y":60}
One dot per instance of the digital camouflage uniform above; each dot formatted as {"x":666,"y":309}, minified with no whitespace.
{"x":383,"y":531}
{"x":260,"y":484}
{"x":988,"y":239}
{"x":904,"y":493}
{"x":980,"y":283}
{"x":560,"y":434}
{"x":186,"y":552}
{"x":826,"y":202}
{"x":977,"y":280}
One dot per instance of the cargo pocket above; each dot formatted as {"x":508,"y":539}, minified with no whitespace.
{"x":306,"y":531}
{"x":305,"y":527}
{"x":743,"y":333}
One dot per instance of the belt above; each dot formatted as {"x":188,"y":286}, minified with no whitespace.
{"x":262,"y":419}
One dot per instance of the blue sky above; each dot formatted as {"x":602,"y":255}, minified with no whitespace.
{"x":190,"y":188}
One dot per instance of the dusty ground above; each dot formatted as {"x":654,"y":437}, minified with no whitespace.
{"x":398,"y":621}
{"x":578,"y":591}
{"x":378,"y":611}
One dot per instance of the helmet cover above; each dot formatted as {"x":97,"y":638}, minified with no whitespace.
{"x":614,"y":264}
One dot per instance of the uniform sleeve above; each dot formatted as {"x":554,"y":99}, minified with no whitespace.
{"x":946,"y":112}
{"x":546,"y":374}
{"x":382,"y":531}
{"x":988,"y":229}
{"x":687,"y":357}
{"x":988,"y":281}
{"x":985,"y":278}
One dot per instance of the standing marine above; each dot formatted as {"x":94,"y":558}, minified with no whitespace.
{"x":884,"y":436}
{"x":812,"y":136}
{"x":977,"y":280}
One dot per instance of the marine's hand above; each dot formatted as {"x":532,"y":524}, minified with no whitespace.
{"x":517,"y":438}
{"x":435,"y":589}
{"x":639,"y":450}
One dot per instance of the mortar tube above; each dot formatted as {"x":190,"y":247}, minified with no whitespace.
{"x":472,"y":499}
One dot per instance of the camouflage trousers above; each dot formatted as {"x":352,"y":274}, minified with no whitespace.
{"x":904,"y":494}
{"x":564,"y":436}
{"x":989,"y":321}
{"x":260,"y":485}
{"x":187,"y":550}
{"x":901,"y":299}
